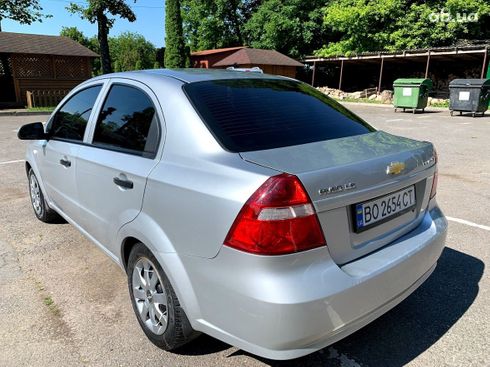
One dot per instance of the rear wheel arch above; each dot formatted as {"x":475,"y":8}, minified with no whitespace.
{"x":178,"y":329}
{"x":28,"y":168}
{"x":126,"y":248}
{"x":171,"y":265}
{"x":141,"y":229}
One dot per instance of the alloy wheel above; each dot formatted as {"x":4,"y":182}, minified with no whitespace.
{"x":35,"y":192}
{"x":149,"y":296}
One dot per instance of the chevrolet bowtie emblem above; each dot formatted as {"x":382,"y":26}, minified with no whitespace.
{"x":395,"y":168}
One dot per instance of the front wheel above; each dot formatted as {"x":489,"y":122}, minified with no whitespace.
{"x":43,"y":212}
{"x":155,"y":303}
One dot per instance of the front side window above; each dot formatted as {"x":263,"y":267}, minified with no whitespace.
{"x":71,"y":120}
{"x":128,"y":122}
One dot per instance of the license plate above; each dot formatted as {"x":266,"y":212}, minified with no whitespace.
{"x":370,"y":213}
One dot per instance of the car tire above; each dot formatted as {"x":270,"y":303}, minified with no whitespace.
{"x":155,"y":303}
{"x":41,"y":208}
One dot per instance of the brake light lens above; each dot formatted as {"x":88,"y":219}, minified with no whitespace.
{"x":433,"y":191}
{"x":277,"y":219}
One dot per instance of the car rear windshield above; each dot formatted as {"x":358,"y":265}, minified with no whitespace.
{"x":256,"y":114}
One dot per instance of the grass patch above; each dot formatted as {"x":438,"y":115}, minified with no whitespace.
{"x":41,"y":109}
{"x":48,"y":301}
{"x":444,"y":104}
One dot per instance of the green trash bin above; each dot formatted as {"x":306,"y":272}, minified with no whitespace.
{"x":411,"y":93}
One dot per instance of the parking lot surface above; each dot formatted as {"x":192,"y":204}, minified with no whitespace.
{"x":64,"y":303}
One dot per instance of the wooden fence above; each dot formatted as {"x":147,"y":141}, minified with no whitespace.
{"x":45,"y":98}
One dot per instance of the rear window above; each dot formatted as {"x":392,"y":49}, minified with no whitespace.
{"x":256,"y":114}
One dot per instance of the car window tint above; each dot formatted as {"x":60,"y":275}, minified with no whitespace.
{"x":127,"y":122}
{"x":256,"y":114}
{"x":71,"y":120}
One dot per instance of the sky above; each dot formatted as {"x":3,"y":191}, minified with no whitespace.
{"x":150,"y":21}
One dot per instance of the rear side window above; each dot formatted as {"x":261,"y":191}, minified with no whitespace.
{"x":256,"y":114}
{"x":128,"y":122}
{"x":71,"y":120}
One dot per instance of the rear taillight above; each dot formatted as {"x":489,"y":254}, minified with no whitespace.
{"x":278,"y":218}
{"x":433,"y":191}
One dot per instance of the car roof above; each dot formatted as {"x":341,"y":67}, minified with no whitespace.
{"x":190,"y":75}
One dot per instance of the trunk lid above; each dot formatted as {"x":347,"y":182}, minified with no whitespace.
{"x":340,"y":173}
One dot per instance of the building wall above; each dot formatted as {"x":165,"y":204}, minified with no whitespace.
{"x":46,"y":72}
{"x":207,"y":61}
{"x":289,"y":71}
{"x":7,"y":90}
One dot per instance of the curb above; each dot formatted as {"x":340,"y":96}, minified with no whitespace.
{"x":24,"y":113}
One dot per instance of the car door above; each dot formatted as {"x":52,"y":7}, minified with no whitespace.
{"x":66,"y":130}
{"x":113,"y":167}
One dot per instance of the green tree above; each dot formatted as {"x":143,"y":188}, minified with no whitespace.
{"x":92,"y":43}
{"x":293,"y":27}
{"x":22,"y":11}
{"x":75,"y":34}
{"x":131,"y":51}
{"x":98,"y":11}
{"x":216,"y":24}
{"x":174,"y":37}
{"x":377,"y":25}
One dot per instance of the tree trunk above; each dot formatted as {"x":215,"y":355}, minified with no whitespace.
{"x":103,"y":31}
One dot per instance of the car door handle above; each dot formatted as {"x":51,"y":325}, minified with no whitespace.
{"x":127,"y":184}
{"x":65,"y":162}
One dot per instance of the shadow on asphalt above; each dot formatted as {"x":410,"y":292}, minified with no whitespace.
{"x":403,"y":333}
{"x":203,"y":345}
{"x":420,"y":112}
{"x":468,"y":114}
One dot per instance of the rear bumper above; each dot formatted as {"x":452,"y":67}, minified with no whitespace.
{"x":284,"y":307}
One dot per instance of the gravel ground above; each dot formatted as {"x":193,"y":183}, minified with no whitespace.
{"x":63,"y":302}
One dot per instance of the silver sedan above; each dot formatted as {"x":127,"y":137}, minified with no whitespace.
{"x":246,"y":206}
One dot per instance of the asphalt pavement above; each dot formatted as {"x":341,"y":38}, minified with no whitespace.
{"x":64,"y":303}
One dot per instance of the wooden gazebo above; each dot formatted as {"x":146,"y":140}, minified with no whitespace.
{"x":42,"y":67}
{"x":270,"y":61}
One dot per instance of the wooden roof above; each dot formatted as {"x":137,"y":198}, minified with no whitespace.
{"x":216,"y":51}
{"x":257,"y":56}
{"x":21,"y":43}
